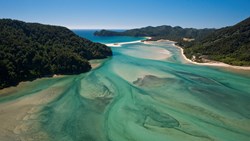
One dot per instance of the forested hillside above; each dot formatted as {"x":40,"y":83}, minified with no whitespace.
{"x":230,"y":45}
{"x":161,"y":32}
{"x":32,"y":50}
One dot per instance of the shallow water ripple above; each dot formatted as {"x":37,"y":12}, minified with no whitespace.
{"x":131,"y":98}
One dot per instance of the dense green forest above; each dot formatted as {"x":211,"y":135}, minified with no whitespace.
{"x":160,"y":32}
{"x":32,"y":50}
{"x":230,"y":45}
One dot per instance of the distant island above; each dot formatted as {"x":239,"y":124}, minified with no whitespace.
{"x":33,"y":50}
{"x":230,"y":45}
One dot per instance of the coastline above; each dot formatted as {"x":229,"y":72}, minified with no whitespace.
{"x":95,"y":63}
{"x":212,"y":63}
{"x":123,"y":43}
{"x":215,"y":64}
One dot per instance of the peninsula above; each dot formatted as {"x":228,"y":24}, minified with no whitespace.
{"x":33,"y":50}
{"x":230,"y":44}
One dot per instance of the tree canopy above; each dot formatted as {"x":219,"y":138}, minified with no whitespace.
{"x":229,"y":44}
{"x":160,"y":32}
{"x":32,"y":50}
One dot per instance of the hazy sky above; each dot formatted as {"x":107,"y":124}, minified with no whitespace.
{"x":121,"y":14}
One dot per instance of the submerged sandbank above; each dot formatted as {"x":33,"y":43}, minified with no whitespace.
{"x":212,"y":63}
{"x":131,"y":98}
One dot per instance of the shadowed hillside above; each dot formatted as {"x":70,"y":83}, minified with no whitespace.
{"x":32,"y":50}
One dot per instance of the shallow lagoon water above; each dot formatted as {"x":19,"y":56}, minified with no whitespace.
{"x":132,"y":96}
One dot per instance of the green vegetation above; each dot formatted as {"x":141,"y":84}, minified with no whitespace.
{"x":160,"y":32}
{"x":230,"y":45}
{"x":32,"y":50}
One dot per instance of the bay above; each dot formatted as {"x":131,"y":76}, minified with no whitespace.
{"x":143,"y":92}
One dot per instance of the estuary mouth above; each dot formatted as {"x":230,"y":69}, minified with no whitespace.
{"x":135,"y":95}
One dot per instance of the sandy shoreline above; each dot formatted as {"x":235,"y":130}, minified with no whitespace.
{"x":123,"y":43}
{"x":216,"y":64}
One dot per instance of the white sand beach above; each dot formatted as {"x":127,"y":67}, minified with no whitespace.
{"x":122,"y":43}
{"x":212,"y":63}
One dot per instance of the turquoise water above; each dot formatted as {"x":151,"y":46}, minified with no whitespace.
{"x":145,"y":92}
{"x":115,"y":39}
